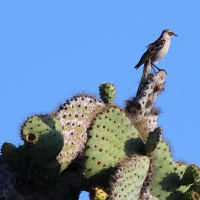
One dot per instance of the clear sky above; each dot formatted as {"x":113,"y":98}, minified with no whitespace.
{"x":51,"y":50}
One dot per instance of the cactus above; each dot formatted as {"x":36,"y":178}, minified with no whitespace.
{"x":167,"y":173}
{"x":75,"y":116}
{"x":18,"y":157}
{"x":193,"y":193}
{"x":98,"y":194}
{"x":107,"y":93}
{"x":111,"y":138}
{"x":111,"y":152}
{"x":7,"y":148}
{"x":127,"y":181}
{"x":42,"y":134}
{"x":191,"y":175}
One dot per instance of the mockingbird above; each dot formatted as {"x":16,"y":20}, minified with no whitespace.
{"x":155,"y":52}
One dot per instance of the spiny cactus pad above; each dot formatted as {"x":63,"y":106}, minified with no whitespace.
{"x":167,"y":173}
{"x":107,"y":93}
{"x":98,"y":194}
{"x":75,"y":116}
{"x":43,"y":136}
{"x":193,"y":193}
{"x":129,"y":177}
{"x":18,"y":157}
{"x":40,"y":175}
{"x":7,"y":148}
{"x":191,"y":175}
{"x":111,"y":138}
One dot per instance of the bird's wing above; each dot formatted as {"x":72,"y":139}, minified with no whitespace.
{"x":156,"y":46}
{"x":153,"y":48}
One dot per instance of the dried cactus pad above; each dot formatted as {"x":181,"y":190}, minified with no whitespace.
{"x":75,"y":116}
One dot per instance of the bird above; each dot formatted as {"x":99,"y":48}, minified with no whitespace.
{"x":154,"y":53}
{"x":157,"y":50}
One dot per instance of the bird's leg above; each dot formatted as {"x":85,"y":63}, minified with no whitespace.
{"x":152,"y":66}
{"x":155,"y":67}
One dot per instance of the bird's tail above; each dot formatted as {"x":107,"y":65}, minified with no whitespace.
{"x":146,"y":69}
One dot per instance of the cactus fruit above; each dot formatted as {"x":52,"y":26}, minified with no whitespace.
{"x":167,"y":173}
{"x":75,"y":116}
{"x":126,"y":183}
{"x":111,"y":138}
{"x":107,"y":93}
{"x":42,"y":134}
{"x":191,"y":175}
{"x":98,"y":194}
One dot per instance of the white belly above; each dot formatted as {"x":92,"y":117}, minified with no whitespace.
{"x":160,"y":54}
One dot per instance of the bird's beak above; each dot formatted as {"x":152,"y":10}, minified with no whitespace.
{"x":175,"y":35}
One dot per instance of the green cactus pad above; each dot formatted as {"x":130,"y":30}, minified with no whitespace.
{"x":191,"y":175}
{"x":18,"y":157}
{"x":98,"y":194}
{"x":107,"y":93}
{"x":193,"y":193}
{"x":111,"y":138}
{"x":42,"y":175}
{"x":129,"y":177}
{"x":43,"y":136}
{"x":75,"y":116}
{"x":167,"y":173}
{"x":7,"y":148}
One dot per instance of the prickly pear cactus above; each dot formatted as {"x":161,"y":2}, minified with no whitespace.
{"x":107,"y":93}
{"x":18,"y":157}
{"x":75,"y":116}
{"x":191,"y":175}
{"x":167,"y":173}
{"x":88,"y":145}
{"x":98,"y":194}
{"x":193,"y":192}
{"x":111,"y":138}
{"x":7,"y":148}
{"x":43,"y":136}
{"x":127,"y":181}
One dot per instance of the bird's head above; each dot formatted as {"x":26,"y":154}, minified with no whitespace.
{"x":168,"y":33}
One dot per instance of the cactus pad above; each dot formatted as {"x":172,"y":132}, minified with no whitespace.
{"x":18,"y":157}
{"x":75,"y":116}
{"x":193,"y":193}
{"x":7,"y":148}
{"x":43,"y":135}
{"x":111,"y":138}
{"x":107,"y":93}
{"x":191,"y":175}
{"x":167,"y":173}
{"x":129,"y":177}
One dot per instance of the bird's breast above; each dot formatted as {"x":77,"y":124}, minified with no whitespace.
{"x":160,"y":54}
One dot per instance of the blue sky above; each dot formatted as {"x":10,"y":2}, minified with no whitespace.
{"x":53,"y":50}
